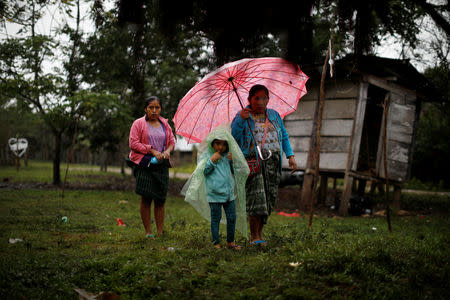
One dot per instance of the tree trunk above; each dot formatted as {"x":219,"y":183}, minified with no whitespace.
{"x":57,"y":159}
{"x":25,"y":157}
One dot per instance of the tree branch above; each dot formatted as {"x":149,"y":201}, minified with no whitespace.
{"x":435,"y":15}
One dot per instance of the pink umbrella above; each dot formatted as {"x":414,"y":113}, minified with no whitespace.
{"x":217,"y":98}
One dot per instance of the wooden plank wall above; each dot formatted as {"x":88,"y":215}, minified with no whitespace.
{"x":339,"y":107}
{"x":400,"y":124}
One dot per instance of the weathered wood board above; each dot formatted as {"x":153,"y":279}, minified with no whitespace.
{"x":402,"y":114}
{"x":328,"y":161}
{"x":327,"y":144}
{"x":397,"y":171}
{"x":334,"y":90}
{"x":397,"y":151}
{"x":333,"y":109}
{"x":329,"y":127}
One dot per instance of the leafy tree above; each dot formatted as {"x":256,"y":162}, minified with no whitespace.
{"x":301,"y":29}
{"x":146,"y":62}
{"x":432,"y":149}
{"x":105,"y":122}
{"x":23,"y":78}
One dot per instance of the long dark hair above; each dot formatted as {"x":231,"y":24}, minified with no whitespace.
{"x":256,"y":88}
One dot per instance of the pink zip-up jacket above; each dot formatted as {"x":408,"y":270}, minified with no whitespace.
{"x":139,"y":143}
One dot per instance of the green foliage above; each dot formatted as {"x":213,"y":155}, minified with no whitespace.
{"x":415,"y":184}
{"x":432,"y":148}
{"x":23,"y":78}
{"x":105,"y":119}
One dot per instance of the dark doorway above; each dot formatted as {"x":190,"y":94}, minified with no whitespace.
{"x":373,"y":117}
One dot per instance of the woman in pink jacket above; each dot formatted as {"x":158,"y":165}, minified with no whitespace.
{"x":151,"y":142}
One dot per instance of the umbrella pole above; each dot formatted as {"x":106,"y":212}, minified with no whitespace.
{"x":242,"y":106}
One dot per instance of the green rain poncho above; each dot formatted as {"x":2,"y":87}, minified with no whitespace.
{"x":195,"y":190}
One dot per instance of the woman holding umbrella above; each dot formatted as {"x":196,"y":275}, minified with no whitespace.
{"x":253,"y":126}
{"x":151,"y":142}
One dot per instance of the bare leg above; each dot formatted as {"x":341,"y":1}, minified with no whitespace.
{"x":260,"y":228}
{"x":252,"y":220}
{"x":159,"y":217}
{"x":145,"y":210}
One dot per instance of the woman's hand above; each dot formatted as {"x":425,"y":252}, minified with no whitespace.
{"x":166,"y":154}
{"x":230,"y":156}
{"x":245,"y":113}
{"x":292,"y":163}
{"x":157,"y":154}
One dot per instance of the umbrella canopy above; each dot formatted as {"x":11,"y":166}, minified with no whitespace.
{"x":217,"y":98}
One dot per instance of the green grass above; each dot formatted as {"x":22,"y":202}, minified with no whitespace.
{"x":338,"y":258}
{"x":187,"y":168}
{"x":42,"y":171}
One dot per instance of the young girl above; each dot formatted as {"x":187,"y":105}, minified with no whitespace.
{"x":219,"y":181}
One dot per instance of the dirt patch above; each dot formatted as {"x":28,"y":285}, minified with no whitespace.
{"x":91,"y":182}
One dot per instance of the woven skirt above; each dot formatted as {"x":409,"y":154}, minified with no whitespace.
{"x":152,"y":182}
{"x":262,"y":189}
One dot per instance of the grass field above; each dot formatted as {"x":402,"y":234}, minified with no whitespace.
{"x":337,"y":258}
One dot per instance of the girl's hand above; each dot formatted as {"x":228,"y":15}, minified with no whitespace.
{"x":229,"y":156}
{"x":292,"y":164}
{"x":245,"y":113}
{"x":215,"y":157}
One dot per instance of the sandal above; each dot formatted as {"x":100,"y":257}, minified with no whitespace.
{"x":234,"y":247}
{"x":150,"y":236}
{"x":258,"y":242}
{"x":217,"y":246}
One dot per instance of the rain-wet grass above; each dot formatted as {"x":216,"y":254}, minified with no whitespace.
{"x":347,"y":258}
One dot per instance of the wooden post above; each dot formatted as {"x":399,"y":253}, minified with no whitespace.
{"x":313,"y":161}
{"x":323,"y":189}
{"x":306,"y":189}
{"x":397,"y":196}
{"x":362,"y":187}
{"x":373,"y":186}
{"x":25,"y":157}
{"x":314,"y":150}
{"x":346,"y":193}
{"x":385,"y":116}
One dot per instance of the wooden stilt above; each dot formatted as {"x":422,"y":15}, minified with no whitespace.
{"x":306,"y":191}
{"x":346,"y":193}
{"x":397,"y":196}
{"x":323,"y":189}
{"x":361,"y":187}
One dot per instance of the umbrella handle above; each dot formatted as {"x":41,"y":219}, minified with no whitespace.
{"x":260,"y":153}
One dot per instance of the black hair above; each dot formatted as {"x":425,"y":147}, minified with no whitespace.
{"x":226,"y":150}
{"x":151,"y":99}
{"x":256,"y":88}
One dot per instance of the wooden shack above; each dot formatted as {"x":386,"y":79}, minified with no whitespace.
{"x":352,"y":125}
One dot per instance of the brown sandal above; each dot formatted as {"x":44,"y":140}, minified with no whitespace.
{"x":234,"y":247}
